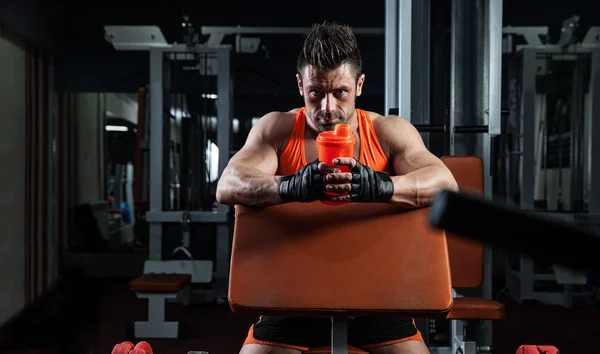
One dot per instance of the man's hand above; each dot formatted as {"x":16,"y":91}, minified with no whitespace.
{"x":305,"y":186}
{"x":362,"y":184}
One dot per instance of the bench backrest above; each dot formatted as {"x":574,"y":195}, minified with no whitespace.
{"x":466,"y":256}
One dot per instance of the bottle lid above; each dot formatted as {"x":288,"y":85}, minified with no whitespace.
{"x":341,"y":134}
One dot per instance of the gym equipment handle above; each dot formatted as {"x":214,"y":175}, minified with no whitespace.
{"x":548,"y":241}
{"x":464,"y":129}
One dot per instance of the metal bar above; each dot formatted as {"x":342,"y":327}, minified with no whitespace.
{"x":420,"y":64}
{"x":455,"y":43}
{"x":577,"y":131}
{"x":156,"y":151}
{"x":224,"y":123}
{"x":593,"y":150}
{"x":224,"y":113}
{"x":430,"y":128}
{"x":471,"y":129}
{"x":157,"y":217}
{"x":225,"y":30}
{"x":339,"y":335}
{"x":146,"y":163}
{"x":530,"y":33}
{"x":495,"y":66}
{"x":469,"y":73}
{"x":404,"y":58}
{"x":528,"y":112}
{"x":391,"y":55}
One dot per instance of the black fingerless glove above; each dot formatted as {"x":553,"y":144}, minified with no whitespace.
{"x":370,"y":186}
{"x":305,"y":186}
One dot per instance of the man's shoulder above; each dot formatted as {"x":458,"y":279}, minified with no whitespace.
{"x":275,"y":121}
{"x":276,"y":126}
{"x":386,"y":124}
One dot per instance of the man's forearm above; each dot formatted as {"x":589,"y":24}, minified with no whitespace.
{"x":248,"y":186}
{"x":418,"y":188}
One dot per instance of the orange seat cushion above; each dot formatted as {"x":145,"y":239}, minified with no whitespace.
{"x":160,"y":283}
{"x":476,"y":308}
{"x":327,"y":350}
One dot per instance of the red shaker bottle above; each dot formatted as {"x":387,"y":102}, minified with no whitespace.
{"x":333,"y":144}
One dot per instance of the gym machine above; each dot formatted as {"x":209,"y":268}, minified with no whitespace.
{"x":544,"y":157}
{"x":190,"y":113}
{"x":475,"y":66}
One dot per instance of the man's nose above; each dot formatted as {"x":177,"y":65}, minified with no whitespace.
{"x":329,"y":104}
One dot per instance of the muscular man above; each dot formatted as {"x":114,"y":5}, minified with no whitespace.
{"x":278,"y":164}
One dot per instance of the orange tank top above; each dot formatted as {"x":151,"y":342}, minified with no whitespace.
{"x":292,"y":157}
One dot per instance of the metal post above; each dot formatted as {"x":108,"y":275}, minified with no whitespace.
{"x":527,"y":122}
{"x":156,"y":150}
{"x":468,"y":73}
{"x":391,"y":55}
{"x":420,"y":63}
{"x":339,"y":335}
{"x":494,"y":116}
{"x":495,"y":66}
{"x":224,"y":122}
{"x":594,"y":136}
{"x":577,"y":131}
{"x":404,"y":58}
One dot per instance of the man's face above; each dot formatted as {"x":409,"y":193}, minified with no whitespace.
{"x":329,"y":97}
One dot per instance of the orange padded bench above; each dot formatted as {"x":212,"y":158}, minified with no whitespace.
{"x":338,"y":261}
{"x":157,"y":288}
{"x":466,"y":260}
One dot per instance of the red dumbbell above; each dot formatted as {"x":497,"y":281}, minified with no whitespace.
{"x":537,"y":349}
{"x":122,"y":348}
{"x":142,"y":348}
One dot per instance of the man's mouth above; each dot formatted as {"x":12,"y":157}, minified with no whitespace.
{"x":328,"y":121}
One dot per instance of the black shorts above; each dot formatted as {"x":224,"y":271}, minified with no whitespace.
{"x":303,"y":333}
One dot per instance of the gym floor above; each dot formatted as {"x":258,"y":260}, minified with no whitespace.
{"x":218,"y":331}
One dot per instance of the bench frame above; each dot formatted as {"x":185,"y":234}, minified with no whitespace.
{"x":156,"y":326}
{"x":462,"y":336}
{"x":339,"y":335}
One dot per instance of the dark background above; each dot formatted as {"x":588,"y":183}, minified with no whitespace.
{"x":85,"y":62}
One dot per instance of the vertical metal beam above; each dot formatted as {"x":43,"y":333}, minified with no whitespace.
{"x":339,"y":335}
{"x":224,"y":113}
{"x":455,"y":59}
{"x":156,"y":150}
{"x":527,"y":121}
{"x":580,"y":72}
{"x":391,"y":55}
{"x":468,"y":73}
{"x":404,"y":58}
{"x":224,"y":123}
{"x":494,"y":122}
{"x":420,"y":64}
{"x":594,"y":136}
{"x":495,"y":66}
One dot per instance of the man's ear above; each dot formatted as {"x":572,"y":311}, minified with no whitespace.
{"x":299,"y":80}
{"x":359,"y":84}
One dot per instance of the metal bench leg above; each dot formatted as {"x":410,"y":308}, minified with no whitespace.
{"x":463,"y":340}
{"x":339,"y":335}
{"x":156,"y":326}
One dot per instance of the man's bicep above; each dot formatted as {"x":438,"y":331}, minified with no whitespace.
{"x":261,"y":156}
{"x":259,"y":150}
{"x":410,"y":153}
